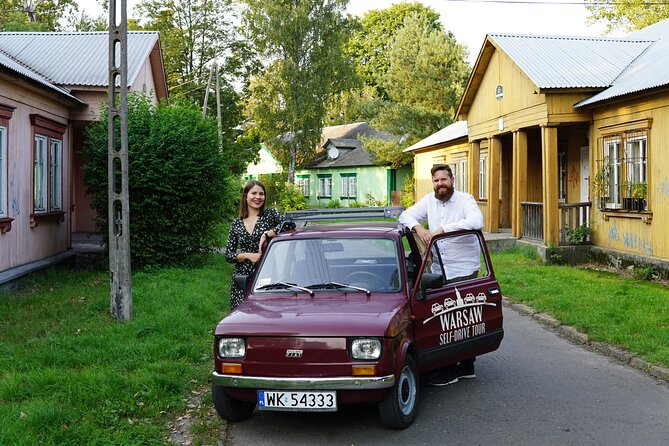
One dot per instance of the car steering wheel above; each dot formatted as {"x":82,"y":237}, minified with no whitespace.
{"x":365,"y":279}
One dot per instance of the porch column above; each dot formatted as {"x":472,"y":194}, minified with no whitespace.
{"x":519,"y":193}
{"x":494,"y":171}
{"x":473,"y":163}
{"x":549,"y":157}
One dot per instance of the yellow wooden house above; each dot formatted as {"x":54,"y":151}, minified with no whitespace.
{"x":560,"y":132}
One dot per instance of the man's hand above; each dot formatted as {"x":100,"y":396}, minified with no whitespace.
{"x":423,"y":234}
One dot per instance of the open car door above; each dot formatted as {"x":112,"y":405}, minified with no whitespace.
{"x":457,"y":302}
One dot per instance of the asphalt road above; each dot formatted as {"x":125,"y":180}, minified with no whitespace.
{"x":537,"y":389}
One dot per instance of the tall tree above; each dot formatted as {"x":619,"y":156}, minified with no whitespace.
{"x":302,"y":42}
{"x":425,"y":79}
{"x":627,"y":15}
{"x":22,"y":15}
{"x":373,"y":36}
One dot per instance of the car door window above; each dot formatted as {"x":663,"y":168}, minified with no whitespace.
{"x":457,"y":257}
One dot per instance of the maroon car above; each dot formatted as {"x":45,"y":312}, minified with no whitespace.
{"x":352,"y":313}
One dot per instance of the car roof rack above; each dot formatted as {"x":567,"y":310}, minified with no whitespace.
{"x":307,"y":215}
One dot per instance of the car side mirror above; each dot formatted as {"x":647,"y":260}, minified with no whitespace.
{"x":429,"y":281}
{"x":241,"y":282}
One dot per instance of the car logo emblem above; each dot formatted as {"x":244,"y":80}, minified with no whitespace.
{"x":293,"y":353}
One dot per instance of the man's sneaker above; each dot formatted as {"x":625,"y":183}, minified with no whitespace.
{"x":444,"y":376}
{"x":466,"y":370}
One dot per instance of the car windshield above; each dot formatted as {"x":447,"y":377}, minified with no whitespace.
{"x":321,"y":264}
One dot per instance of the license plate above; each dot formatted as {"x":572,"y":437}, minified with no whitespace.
{"x":303,"y":401}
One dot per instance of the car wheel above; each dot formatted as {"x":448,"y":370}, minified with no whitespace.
{"x":230,"y":408}
{"x":398,"y":409}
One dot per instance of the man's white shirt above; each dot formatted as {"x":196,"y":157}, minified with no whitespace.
{"x":461,"y":255}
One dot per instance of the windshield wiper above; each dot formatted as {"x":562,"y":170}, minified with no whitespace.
{"x":285,"y":285}
{"x":326,"y":285}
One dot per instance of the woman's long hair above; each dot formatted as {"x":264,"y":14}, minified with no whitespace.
{"x":243,"y":206}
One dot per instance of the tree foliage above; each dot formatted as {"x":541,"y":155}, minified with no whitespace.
{"x":373,"y":37}
{"x":302,"y":42}
{"x":16,"y":16}
{"x":426,"y":77}
{"x":178,"y":180}
{"x":627,"y":15}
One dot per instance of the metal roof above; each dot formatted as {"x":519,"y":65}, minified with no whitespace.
{"x":9,"y":63}
{"x":650,"y":70}
{"x":452,"y":132}
{"x":75,"y":58}
{"x":570,"y":62}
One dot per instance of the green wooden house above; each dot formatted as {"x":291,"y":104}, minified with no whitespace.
{"x":344,"y":171}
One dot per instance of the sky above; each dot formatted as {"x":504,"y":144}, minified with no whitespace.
{"x":471,"y":20}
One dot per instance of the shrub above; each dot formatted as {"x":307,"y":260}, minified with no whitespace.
{"x":333,"y":204}
{"x":371,"y":201}
{"x":355,"y":204}
{"x":408,"y":197}
{"x":177,"y":180}
{"x":579,"y":234}
{"x":291,"y":198}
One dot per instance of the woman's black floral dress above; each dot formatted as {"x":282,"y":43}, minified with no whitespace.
{"x":239,"y":240}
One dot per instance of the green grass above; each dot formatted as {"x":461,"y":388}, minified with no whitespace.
{"x":70,"y":375}
{"x":611,"y":308}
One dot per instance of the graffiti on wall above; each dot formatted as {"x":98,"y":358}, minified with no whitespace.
{"x":630,"y":240}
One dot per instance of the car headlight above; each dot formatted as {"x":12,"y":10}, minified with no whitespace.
{"x":366,"y":349}
{"x":231,"y":348}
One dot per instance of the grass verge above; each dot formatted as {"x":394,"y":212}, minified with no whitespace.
{"x":70,"y":375}
{"x":608,"y":307}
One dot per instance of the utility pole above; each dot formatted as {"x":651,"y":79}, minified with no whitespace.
{"x":120,"y":289}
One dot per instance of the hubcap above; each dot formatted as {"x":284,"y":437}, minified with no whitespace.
{"x":406,"y":390}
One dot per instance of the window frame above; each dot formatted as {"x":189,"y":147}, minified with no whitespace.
{"x":6,"y":113}
{"x":483,"y":178}
{"x":302,"y":182}
{"x":47,"y":200}
{"x":345,"y":186}
{"x":324,"y":186}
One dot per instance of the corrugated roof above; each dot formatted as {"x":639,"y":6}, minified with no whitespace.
{"x":9,"y":63}
{"x":650,"y":70}
{"x":86,"y":54}
{"x":570,"y":62}
{"x":452,"y":132}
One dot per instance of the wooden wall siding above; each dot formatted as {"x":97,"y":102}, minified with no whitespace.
{"x":519,"y":106}
{"x":628,"y":231}
{"x":23,"y":244}
{"x":425,"y":159}
{"x":560,"y":108}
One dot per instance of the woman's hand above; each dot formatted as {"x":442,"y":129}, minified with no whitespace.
{"x":252,"y":257}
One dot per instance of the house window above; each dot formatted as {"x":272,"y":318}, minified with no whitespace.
{"x":456,"y":174}
{"x":303,"y":183}
{"x":349,"y":185}
{"x":463,"y":176}
{"x":562,"y":177}
{"x":3,"y":172}
{"x":325,"y":186}
{"x":48,"y":165}
{"x":622,"y":174}
{"x":482,"y":178}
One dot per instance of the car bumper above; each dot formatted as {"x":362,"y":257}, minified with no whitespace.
{"x":337,"y":383}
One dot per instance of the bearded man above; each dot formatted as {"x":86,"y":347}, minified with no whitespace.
{"x":446,"y":210}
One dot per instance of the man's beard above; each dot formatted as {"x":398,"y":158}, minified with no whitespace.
{"x":443,"y":193}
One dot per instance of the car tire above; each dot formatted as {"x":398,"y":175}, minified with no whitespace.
{"x":230,"y":408}
{"x":398,"y":409}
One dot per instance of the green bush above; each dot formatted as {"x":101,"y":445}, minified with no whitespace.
{"x":355,"y":204}
{"x":274,"y":183}
{"x":178,"y":180}
{"x":291,"y":198}
{"x":333,"y":204}
{"x":408,"y":196}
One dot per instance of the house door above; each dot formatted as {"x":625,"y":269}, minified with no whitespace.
{"x":585,"y":174}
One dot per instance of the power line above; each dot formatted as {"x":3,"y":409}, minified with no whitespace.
{"x":557,"y":2}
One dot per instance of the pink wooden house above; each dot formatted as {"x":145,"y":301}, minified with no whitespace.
{"x":51,"y":87}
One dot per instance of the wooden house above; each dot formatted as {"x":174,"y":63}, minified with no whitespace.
{"x":51,"y":87}
{"x":344,"y":171}
{"x":567,"y":132}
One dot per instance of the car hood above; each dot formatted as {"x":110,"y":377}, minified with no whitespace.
{"x":351,"y":315}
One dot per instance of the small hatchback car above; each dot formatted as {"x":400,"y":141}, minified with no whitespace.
{"x":353,"y":312}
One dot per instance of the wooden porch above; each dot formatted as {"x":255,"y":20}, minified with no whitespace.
{"x":572,"y":216}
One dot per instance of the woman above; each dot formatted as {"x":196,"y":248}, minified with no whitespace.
{"x":248,"y":234}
